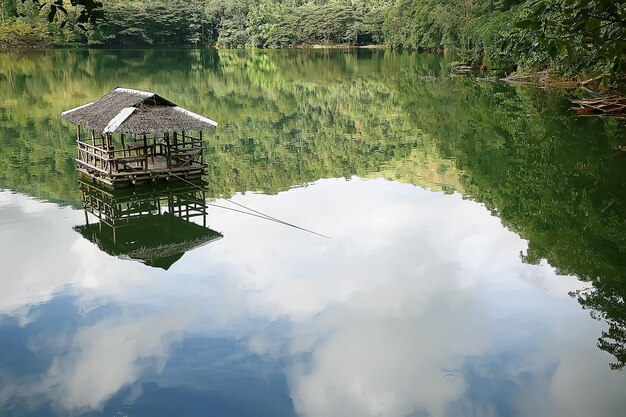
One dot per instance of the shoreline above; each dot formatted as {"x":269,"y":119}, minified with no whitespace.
{"x":43,"y":45}
{"x":539,"y":79}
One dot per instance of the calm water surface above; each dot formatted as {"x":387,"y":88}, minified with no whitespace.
{"x":474,"y":263}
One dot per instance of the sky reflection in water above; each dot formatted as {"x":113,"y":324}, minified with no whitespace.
{"x":418,"y":304}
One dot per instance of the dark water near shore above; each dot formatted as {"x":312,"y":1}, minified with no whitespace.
{"x":474,"y":266}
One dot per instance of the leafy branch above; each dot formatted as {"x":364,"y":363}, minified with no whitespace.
{"x":90,"y":10}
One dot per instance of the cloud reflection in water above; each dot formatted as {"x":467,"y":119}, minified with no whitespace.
{"x":411,"y":287}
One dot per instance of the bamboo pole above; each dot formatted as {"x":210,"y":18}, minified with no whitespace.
{"x":201,"y":149}
{"x":145,"y":152}
{"x":93,"y":137}
{"x":111,"y":154}
{"x":168,"y":156}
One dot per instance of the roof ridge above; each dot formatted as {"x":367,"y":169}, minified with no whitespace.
{"x":133,"y":91}
{"x":119,"y":119}
{"x":66,"y":112}
{"x":196,"y":116}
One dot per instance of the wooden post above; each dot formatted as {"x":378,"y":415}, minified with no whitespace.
{"x":203,"y":208}
{"x":110,"y":154}
{"x":201,"y":149}
{"x":123,"y":145}
{"x":175,"y":149}
{"x":100,"y":152}
{"x":145,"y":152}
{"x":77,"y":142}
{"x":168,"y":150}
{"x":152,"y":147}
{"x":92,"y":159}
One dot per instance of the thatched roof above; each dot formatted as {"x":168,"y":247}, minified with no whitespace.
{"x":123,"y":110}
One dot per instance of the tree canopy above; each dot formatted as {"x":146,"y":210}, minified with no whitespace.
{"x":570,"y":37}
{"x":90,"y":11}
{"x":578,"y":33}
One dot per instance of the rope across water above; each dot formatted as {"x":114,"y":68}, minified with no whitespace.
{"x":251,"y":212}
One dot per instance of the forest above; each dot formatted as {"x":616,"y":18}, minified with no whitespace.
{"x":570,"y":37}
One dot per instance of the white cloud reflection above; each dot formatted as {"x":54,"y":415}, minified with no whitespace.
{"x":111,"y":354}
{"x":386,"y":317}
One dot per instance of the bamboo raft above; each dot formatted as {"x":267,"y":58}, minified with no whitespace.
{"x":611,"y":106}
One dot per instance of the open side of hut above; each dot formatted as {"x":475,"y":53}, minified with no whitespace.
{"x":132,"y":137}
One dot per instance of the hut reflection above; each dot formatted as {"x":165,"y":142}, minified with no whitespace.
{"x":155,"y":226}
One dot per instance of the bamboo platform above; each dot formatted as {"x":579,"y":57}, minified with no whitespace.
{"x":611,"y":106}
{"x":126,"y":171}
{"x":139,"y":162}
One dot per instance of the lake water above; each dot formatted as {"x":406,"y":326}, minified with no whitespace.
{"x":473,"y":259}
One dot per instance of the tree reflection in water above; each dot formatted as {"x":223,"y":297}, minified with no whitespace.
{"x":298,"y":116}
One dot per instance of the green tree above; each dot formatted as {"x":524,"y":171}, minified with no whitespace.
{"x":263,"y":18}
{"x":90,"y":10}
{"x":229,"y":19}
{"x":581,"y":34}
{"x":8,"y":10}
{"x":154,"y":23}
{"x":606,"y":301}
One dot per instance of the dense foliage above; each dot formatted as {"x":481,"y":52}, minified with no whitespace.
{"x":473,"y":28}
{"x":578,"y":34}
{"x":573,"y":37}
{"x":230,"y":23}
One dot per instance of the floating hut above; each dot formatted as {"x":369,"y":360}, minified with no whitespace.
{"x":133,"y":137}
{"x":155,"y":226}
